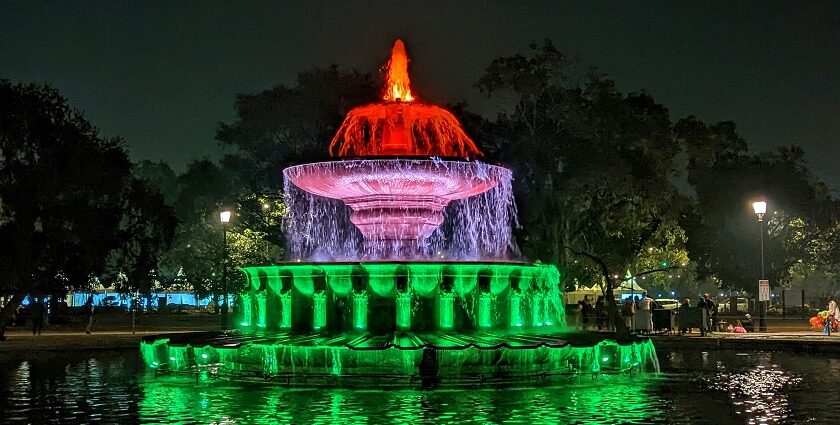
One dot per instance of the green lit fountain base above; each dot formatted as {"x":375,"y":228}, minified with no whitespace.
{"x":387,"y":297}
{"x":402,"y":357}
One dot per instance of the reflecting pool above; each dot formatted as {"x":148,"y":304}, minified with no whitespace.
{"x":695,"y":387}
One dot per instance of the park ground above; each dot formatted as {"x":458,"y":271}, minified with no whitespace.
{"x":115,"y":331}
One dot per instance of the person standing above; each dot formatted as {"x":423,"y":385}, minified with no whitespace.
{"x":644,"y":317}
{"x":600,"y":312}
{"x":686,"y":304}
{"x":37,"y":310}
{"x":628,"y":312}
{"x":585,"y":308}
{"x":709,"y":306}
{"x":88,"y":309}
{"x":833,"y":313}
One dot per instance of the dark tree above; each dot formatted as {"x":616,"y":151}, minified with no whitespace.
{"x":62,"y":188}
{"x":146,"y":232}
{"x":204,"y":187}
{"x":723,"y":231}
{"x":159,"y":177}
{"x":289,"y":125}
{"x":592,"y":169}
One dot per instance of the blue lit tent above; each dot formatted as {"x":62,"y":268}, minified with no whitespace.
{"x":629,"y":288}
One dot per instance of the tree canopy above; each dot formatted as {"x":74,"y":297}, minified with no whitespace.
{"x":592,"y":166}
{"x":284,"y":126}
{"x":723,"y":231}
{"x":609,"y":176}
{"x":68,"y":198}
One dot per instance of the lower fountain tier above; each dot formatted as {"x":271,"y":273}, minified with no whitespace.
{"x":397,"y":199}
{"x":425,"y":355}
{"x":333,"y":298}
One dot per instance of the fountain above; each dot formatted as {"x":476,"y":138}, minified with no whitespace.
{"x":404,"y":267}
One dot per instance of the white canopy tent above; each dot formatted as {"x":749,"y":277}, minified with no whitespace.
{"x":629,"y":287}
{"x":582,"y":291}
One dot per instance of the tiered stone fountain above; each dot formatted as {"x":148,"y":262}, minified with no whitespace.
{"x":404,"y":268}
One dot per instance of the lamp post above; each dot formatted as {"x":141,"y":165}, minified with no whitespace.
{"x":760,"y":208}
{"x":224,"y":217}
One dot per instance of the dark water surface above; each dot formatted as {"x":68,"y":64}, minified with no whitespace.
{"x":724,"y":387}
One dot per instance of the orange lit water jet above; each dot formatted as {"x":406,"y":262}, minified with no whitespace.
{"x":400,"y":125}
{"x":397,"y":83}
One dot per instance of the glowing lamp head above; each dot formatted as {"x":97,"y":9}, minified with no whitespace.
{"x":224,"y":217}
{"x":760,"y":207}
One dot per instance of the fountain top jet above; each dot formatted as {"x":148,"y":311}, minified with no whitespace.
{"x":400,"y":125}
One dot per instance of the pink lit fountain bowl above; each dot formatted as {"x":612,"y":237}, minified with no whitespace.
{"x":397,"y":199}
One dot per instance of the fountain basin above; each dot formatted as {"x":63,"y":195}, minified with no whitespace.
{"x":404,"y":358}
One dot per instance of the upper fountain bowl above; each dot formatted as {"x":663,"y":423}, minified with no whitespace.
{"x":397,"y":199}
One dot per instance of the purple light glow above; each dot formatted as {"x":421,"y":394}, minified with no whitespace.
{"x":399,"y":209}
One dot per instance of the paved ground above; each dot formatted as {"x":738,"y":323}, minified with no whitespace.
{"x":57,"y":341}
{"x":794,"y":341}
{"x":109,"y":332}
{"x":760,"y":335}
{"x":115,"y":332}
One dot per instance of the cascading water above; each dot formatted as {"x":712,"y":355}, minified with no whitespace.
{"x":403,"y":264}
{"x":391,"y":216}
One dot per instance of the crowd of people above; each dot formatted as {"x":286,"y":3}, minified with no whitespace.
{"x":636,"y":312}
{"x":39,"y":313}
{"x":589,"y":314}
{"x":641,"y":307}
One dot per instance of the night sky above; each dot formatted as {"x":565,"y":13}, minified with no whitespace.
{"x":163,"y":74}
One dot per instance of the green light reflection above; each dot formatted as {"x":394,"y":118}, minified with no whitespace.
{"x":608,"y":400}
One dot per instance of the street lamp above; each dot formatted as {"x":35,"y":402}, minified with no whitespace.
{"x":760,"y":208}
{"x":224,"y":217}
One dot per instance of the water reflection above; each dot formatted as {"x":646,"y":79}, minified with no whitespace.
{"x":758,"y":394}
{"x":712,"y":387}
{"x":50,"y":389}
{"x":612,"y":400}
{"x":765,"y":388}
